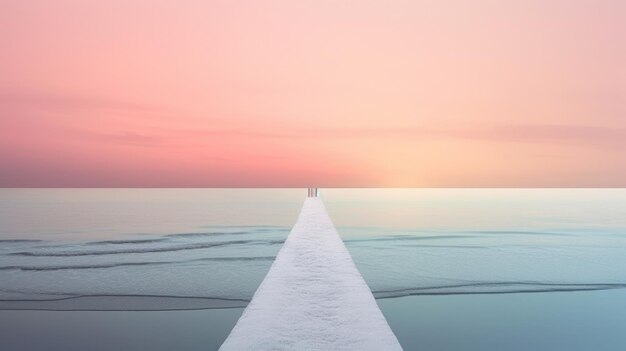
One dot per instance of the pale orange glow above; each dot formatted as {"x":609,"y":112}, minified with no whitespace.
{"x":155,"y":93}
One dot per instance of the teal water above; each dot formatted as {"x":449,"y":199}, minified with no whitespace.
{"x":453,"y":269}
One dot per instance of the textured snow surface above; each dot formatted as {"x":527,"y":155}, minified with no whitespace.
{"x":313,"y":297}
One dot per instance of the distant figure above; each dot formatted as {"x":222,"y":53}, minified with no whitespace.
{"x":313,"y":192}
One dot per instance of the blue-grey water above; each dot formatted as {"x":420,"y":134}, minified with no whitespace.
{"x":453,"y":269}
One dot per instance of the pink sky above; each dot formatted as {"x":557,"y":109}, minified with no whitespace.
{"x":155,"y":93}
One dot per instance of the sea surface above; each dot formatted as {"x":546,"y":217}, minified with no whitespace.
{"x":452,"y":269}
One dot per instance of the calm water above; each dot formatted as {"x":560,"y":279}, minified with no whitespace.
{"x":454,"y":269}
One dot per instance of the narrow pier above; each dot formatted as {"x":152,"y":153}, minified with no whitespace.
{"x":313,"y":297}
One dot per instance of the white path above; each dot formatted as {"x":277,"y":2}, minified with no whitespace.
{"x":313,"y":297}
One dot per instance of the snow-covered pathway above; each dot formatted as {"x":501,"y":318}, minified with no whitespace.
{"x":313,"y":297}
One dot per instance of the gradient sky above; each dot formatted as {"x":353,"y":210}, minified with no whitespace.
{"x":155,"y":93}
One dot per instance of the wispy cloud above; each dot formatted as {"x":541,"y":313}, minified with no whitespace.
{"x":46,"y":101}
{"x":150,"y":134}
{"x":553,"y":133}
{"x":127,"y":138}
{"x":524,"y":133}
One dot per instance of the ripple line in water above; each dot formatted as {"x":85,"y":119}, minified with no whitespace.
{"x":205,"y":234}
{"x":498,"y":288}
{"x":517,"y":232}
{"x":130,"y":264}
{"x":195,"y":246}
{"x":153,"y":302}
{"x":124,"y":242}
{"x":121,"y":302}
{"x":410,"y":238}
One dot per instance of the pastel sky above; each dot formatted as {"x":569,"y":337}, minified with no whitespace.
{"x":284,"y":93}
